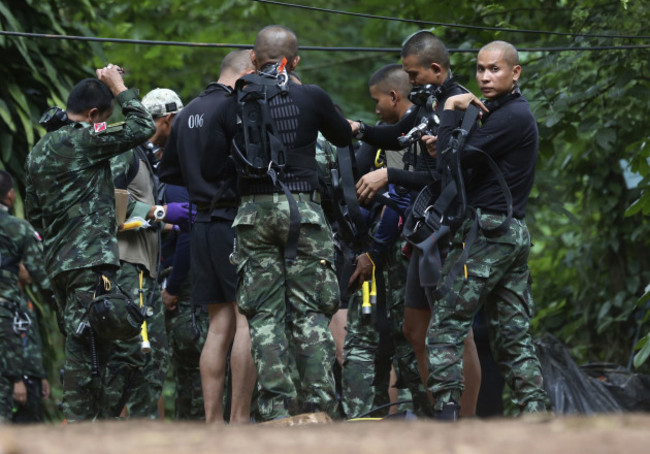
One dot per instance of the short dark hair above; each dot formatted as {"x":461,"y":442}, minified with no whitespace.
{"x":88,"y":94}
{"x":428,"y":47}
{"x":391,"y":77}
{"x":6,"y":183}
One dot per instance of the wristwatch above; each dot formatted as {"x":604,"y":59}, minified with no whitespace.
{"x":159,"y":213}
{"x":361,"y":131}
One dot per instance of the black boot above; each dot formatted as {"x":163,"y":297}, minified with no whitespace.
{"x":449,"y":412}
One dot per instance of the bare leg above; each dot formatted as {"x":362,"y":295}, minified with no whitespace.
{"x":244,"y":374}
{"x":472,"y":376}
{"x":337,"y":327}
{"x":416,"y":323}
{"x":393,"y":394}
{"x":221,"y":331}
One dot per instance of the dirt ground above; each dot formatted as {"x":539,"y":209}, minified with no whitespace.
{"x":627,"y":434}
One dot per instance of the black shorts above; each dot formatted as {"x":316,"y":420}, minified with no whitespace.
{"x":414,"y":294}
{"x":214,"y":277}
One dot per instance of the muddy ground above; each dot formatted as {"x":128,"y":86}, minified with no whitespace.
{"x":626,"y":434}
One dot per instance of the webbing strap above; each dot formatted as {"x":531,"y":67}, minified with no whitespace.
{"x":291,"y":248}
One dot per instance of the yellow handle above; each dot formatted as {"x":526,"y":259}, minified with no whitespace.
{"x":365,"y":291}
{"x":378,"y":161}
{"x":145,"y":345}
{"x":132,"y":225}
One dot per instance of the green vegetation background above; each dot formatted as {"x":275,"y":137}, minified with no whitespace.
{"x":590,"y":203}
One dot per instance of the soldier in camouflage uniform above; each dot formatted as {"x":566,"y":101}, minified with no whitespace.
{"x":495,"y":272}
{"x":18,"y":242}
{"x":278,"y":296}
{"x":140,"y":258}
{"x":70,"y":199}
{"x":35,"y":377}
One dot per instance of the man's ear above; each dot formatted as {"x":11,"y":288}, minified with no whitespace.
{"x":516,"y":72}
{"x":253,"y":58}
{"x":436,"y":68}
{"x":92,"y":114}
{"x":294,"y":63}
{"x":394,"y":97}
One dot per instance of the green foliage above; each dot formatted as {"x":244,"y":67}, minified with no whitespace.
{"x":591,"y":236}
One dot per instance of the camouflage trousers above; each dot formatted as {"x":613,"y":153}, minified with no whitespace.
{"x":11,"y":362}
{"x":365,"y":377}
{"x":6,"y":398}
{"x":288,"y":306}
{"x":404,"y":360}
{"x":143,"y":374}
{"x":185,"y":345}
{"x":86,"y":395}
{"x":367,"y":360}
{"x":496,"y":276}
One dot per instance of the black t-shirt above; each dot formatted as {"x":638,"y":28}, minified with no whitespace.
{"x":193,"y":134}
{"x":298,"y":115}
{"x":509,"y":135}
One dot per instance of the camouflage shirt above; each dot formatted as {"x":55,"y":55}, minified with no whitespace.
{"x":18,"y":242}
{"x":70,"y":193}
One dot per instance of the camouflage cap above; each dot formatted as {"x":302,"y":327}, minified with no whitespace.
{"x":162,"y":101}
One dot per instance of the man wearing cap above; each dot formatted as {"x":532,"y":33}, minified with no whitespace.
{"x":141,"y":363}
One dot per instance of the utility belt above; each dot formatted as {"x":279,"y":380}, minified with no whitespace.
{"x":267,"y":187}
{"x":312,"y":196}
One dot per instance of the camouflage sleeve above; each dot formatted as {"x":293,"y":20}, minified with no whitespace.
{"x":33,"y":256}
{"x":103,"y":142}
{"x":32,"y":210}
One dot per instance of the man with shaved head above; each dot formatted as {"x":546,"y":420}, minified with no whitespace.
{"x":495,"y":272}
{"x":286,"y":285}
{"x":213,"y":285}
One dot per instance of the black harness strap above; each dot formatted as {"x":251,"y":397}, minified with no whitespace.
{"x":352,"y":217}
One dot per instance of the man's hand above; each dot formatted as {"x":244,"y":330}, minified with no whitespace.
{"x":45,"y":388}
{"x":370,"y":183}
{"x":20,"y":392}
{"x":168,"y":300}
{"x":111,"y":76}
{"x":355,"y":125}
{"x":363,"y":271}
{"x":431,"y":143}
{"x":460,"y":102}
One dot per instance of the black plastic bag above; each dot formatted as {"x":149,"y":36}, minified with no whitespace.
{"x":569,"y":388}
{"x":631,"y":390}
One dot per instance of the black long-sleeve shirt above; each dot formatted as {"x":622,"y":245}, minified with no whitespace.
{"x":385,"y":136}
{"x":509,"y":135}
{"x":299,"y":115}
{"x":192,"y":136}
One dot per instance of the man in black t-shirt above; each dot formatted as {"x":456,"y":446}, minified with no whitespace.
{"x":194,"y":134}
